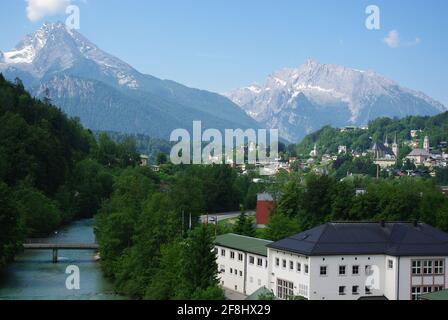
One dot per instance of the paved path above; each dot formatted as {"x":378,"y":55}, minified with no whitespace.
{"x":224,"y":216}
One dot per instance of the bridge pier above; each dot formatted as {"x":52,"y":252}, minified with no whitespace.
{"x":55,"y":255}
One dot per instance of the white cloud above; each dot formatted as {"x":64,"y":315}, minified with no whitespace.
{"x":393,"y":40}
{"x":39,"y":9}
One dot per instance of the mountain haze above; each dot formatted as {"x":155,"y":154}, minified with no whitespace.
{"x":107,"y":93}
{"x":302,"y":100}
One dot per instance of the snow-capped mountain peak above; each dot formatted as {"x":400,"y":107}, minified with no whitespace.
{"x":300,"y":100}
{"x":55,"y":48}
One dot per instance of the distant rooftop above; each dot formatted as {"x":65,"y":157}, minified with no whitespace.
{"x":243,"y":243}
{"x":345,"y":238}
{"x":419,"y":153}
{"x":265,"y":197}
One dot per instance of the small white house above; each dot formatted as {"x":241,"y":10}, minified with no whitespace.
{"x":242,"y":263}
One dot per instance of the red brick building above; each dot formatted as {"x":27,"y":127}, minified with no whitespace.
{"x":265,"y":205}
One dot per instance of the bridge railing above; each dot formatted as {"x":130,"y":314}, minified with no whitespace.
{"x":36,"y":240}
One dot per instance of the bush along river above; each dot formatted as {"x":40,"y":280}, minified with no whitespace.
{"x":34,"y":276}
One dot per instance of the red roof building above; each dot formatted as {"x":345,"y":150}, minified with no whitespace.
{"x":265,"y":205}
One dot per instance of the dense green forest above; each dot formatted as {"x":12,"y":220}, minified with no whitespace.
{"x":52,"y":171}
{"x":328,"y":139}
{"x":307,"y":201}
{"x":152,"y":147}
{"x":149,"y":248}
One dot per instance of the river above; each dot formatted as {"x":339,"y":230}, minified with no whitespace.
{"x":33,"y":276}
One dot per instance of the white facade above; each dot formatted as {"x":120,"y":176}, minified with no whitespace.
{"x":241,"y":271}
{"x":311,"y":264}
{"x":353,"y":277}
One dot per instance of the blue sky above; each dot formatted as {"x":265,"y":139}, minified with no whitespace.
{"x":220,"y":45}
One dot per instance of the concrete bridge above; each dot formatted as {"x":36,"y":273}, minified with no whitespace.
{"x":60,"y":246}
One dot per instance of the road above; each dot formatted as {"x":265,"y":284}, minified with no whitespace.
{"x":224,"y":216}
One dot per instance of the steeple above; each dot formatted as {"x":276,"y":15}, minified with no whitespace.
{"x":426,"y":144}
{"x":395,"y":148}
{"x":386,"y":142}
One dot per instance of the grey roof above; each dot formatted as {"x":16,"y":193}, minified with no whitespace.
{"x":419,"y":153}
{"x":395,"y":238}
{"x":380,"y":147}
{"x":265,"y":197}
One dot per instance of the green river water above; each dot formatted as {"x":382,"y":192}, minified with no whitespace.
{"x":33,"y":276}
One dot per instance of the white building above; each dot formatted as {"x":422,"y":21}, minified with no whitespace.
{"x":351,"y":261}
{"x":242,"y":263}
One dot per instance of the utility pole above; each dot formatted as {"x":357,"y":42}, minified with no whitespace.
{"x":216,"y":226}
{"x":183,"y":221}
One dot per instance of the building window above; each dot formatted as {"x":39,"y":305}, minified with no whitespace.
{"x":259,"y":282}
{"x":355,"y":290}
{"x":368,"y":270}
{"x":368,"y":290}
{"x":277,"y":262}
{"x":342,"y":290}
{"x":252,"y":260}
{"x":416,"y":267}
{"x":291,"y":265}
{"x":427,"y":289}
{"x":223,"y":252}
{"x":240,"y":257}
{"x":439,"y":267}
{"x":251,"y":279}
{"x":303,"y":290}
{"x":342,"y":270}
{"x":284,"y":264}
{"x":259,"y":262}
{"x":355,"y":270}
{"x":323,"y":270}
{"x":307,"y":269}
{"x":427,"y":267}
{"x":285,"y":289}
{"x":241,"y":273}
{"x":231,"y":270}
{"x":416,"y":291}
{"x":266,"y":263}
{"x":232,"y":255}
{"x":390,"y":264}
{"x":222,"y":269}
{"x":299,"y":267}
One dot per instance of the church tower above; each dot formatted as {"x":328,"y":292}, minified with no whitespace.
{"x":386,"y":141}
{"x":395,"y":148}
{"x":426,"y":144}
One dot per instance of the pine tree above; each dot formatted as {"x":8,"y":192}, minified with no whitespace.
{"x":200,"y":271}
{"x":244,"y":225}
